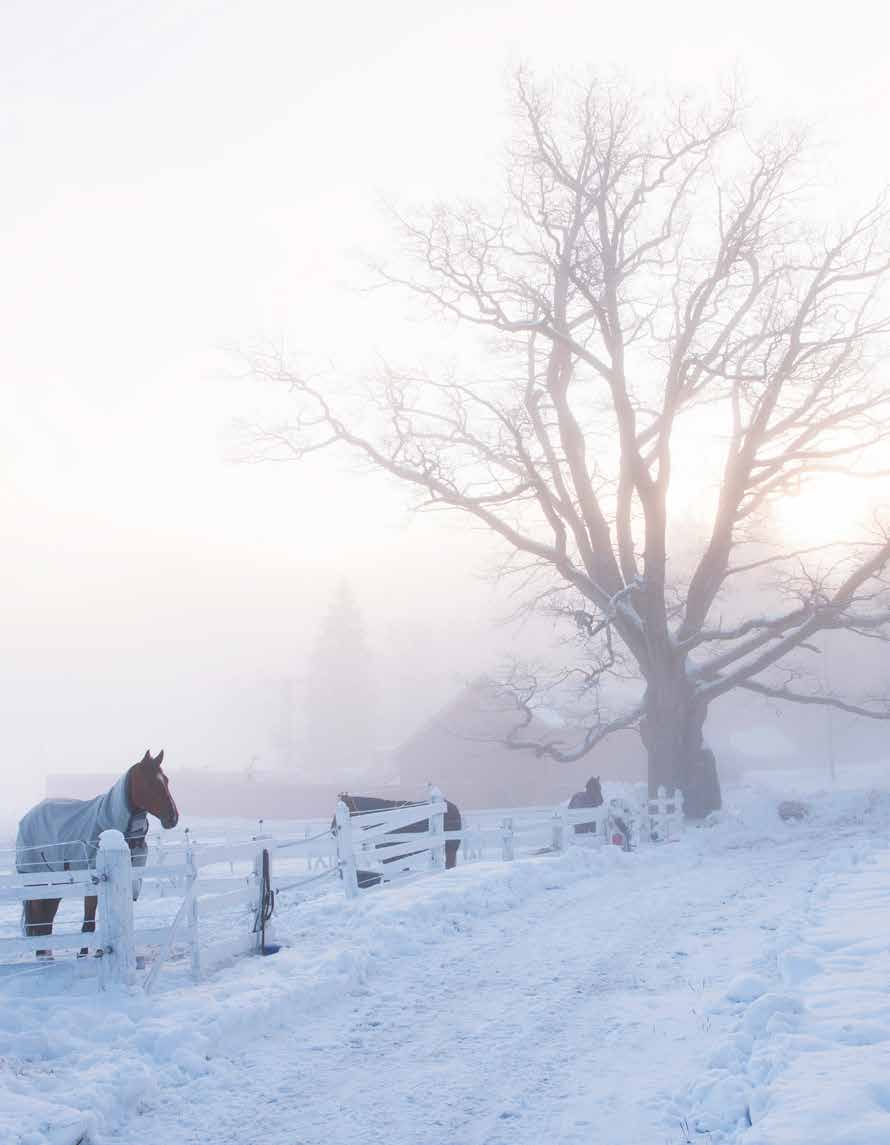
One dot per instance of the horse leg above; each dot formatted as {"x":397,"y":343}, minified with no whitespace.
{"x":38,"y":919}
{"x":89,"y":920}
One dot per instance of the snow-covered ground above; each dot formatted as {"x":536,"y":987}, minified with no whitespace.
{"x":727,"y":988}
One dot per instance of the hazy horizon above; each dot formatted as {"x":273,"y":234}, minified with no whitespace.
{"x":185,"y":178}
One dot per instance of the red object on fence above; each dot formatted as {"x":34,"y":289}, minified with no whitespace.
{"x":618,"y":840}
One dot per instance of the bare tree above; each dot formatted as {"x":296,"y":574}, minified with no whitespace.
{"x":647,"y":278}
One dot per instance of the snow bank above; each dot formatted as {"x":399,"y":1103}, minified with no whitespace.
{"x":826,"y":1074}
{"x":809,"y":1059}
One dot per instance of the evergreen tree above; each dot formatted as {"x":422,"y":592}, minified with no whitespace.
{"x":340,"y":724}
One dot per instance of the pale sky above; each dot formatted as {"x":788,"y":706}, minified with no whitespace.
{"x":181,"y":176}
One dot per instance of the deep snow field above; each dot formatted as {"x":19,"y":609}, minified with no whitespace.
{"x":730,"y":987}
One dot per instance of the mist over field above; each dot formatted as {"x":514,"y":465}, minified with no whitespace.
{"x":186,"y":181}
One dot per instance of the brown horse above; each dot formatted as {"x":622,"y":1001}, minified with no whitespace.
{"x":63,"y":835}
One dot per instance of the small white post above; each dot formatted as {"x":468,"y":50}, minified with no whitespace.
{"x":192,"y":898}
{"x":437,"y":827}
{"x":507,"y":840}
{"x":118,"y":963}
{"x":655,"y":808}
{"x":345,"y":852}
{"x":558,"y":833}
{"x":471,"y":844}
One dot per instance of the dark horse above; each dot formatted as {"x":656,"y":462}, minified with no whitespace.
{"x":591,"y":796}
{"x":63,"y":835}
{"x":358,"y":804}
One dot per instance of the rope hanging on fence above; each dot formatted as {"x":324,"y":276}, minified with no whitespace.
{"x":327,"y":833}
{"x":309,"y":879}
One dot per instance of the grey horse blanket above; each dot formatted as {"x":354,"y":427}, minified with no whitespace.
{"x":63,"y":834}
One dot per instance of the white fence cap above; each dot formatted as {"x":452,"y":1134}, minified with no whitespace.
{"x":113,"y":840}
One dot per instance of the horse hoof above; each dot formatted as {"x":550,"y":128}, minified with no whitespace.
{"x":45,"y":955}
{"x":83,"y":952}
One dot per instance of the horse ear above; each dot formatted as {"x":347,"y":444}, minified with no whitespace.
{"x":159,"y":758}
{"x":147,"y":757}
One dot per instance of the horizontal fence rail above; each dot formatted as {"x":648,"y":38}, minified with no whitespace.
{"x":220,"y":879}
{"x":204,"y":879}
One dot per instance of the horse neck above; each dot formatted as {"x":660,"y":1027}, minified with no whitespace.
{"x":116,"y":805}
{"x":132,"y":801}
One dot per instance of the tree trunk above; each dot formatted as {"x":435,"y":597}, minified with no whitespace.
{"x":677,"y":754}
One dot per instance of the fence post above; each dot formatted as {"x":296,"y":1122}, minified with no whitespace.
{"x":507,"y":842}
{"x":437,"y":827}
{"x":345,"y":852}
{"x":471,"y":844}
{"x":192,"y":899}
{"x":113,"y":867}
{"x":258,"y":905}
{"x":558,"y":836}
{"x":262,"y":866}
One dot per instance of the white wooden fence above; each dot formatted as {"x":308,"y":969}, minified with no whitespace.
{"x":207,"y":881}
{"x":375,"y":841}
{"x":210,"y":879}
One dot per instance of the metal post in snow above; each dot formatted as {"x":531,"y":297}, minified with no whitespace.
{"x":345,"y":852}
{"x":437,"y":826}
{"x":115,"y":872}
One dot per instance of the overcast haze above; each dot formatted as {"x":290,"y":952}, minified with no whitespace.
{"x":181,"y":177}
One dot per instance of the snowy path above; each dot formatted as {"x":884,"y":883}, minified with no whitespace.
{"x":573,"y":1017}
{"x":594,"y":998}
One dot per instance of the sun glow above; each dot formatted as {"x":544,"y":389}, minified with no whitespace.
{"x":826,"y":510}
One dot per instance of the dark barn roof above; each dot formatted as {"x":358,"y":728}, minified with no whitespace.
{"x":463,"y":751}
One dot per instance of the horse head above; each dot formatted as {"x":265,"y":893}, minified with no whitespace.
{"x":149,"y":790}
{"x":594,"y":790}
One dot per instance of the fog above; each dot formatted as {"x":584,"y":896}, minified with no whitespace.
{"x":184,"y":178}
